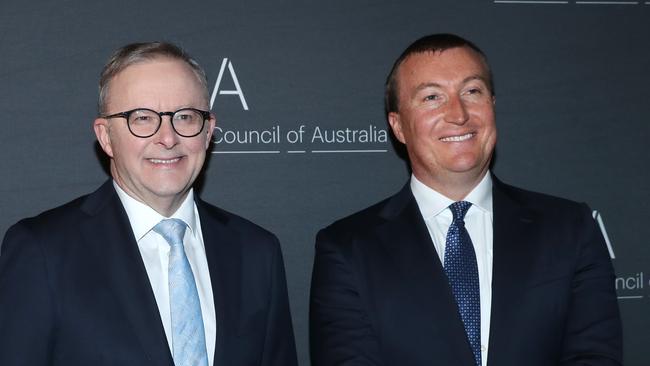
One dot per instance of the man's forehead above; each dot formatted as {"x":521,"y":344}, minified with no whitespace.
{"x":150,"y":82}
{"x":426,"y":59}
{"x":434,"y":68}
{"x":157,"y":73}
{"x":146,"y":64}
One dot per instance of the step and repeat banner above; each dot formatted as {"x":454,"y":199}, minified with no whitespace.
{"x":301,"y":137}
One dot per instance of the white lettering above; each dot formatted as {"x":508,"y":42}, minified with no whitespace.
{"x":634,"y":282}
{"x":347,"y":135}
{"x":599,"y":219}
{"x":270,"y":136}
{"x":233,"y":76}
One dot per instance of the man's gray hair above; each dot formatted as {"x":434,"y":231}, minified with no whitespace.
{"x":139,"y":52}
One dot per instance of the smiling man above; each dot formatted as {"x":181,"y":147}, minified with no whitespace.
{"x":459,"y":268}
{"x":142,"y":271}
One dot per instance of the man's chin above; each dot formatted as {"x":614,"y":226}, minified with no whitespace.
{"x":166,"y":191}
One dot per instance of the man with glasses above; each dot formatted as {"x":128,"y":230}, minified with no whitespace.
{"x":142,"y":271}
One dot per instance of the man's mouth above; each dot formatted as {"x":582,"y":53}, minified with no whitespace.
{"x":164,"y":161}
{"x":458,"y":138}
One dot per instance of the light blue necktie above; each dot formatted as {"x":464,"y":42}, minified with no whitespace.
{"x":462,"y":271}
{"x":188,"y":335}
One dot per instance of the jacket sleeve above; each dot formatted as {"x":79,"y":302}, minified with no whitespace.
{"x":279,"y":347}
{"x":27,"y":309}
{"x":340,"y":331}
{"x":593,"y":333}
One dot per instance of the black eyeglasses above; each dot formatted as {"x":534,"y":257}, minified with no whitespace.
{"x":143,"y":122}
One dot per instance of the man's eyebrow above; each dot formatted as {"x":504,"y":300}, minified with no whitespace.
{"x":425,"y":85}
{"x":475,"y":77}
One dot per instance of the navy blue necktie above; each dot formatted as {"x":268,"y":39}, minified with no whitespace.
{"x":462,"y":271}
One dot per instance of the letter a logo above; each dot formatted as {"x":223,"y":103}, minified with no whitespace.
{"x":599,"y":219}
{"x":236,"y":91}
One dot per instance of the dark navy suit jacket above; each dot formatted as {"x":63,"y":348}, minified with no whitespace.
{"x":74,"y":290}
{"x":380,"y":296}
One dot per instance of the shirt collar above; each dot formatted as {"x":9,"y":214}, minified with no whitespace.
{"x":143,"y":218}
{"x":432,"y":203}
{"x":481,"y":195}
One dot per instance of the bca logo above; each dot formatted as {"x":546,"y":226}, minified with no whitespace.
{"x":599,"y":219}
{"x":233,"y":76}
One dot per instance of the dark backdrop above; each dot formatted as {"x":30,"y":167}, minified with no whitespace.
{"x":572,"y":110}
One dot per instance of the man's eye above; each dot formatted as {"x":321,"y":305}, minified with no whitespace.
{"x":432,"y":97}
{"x":184,"y":118}
{"x":142,"y":119}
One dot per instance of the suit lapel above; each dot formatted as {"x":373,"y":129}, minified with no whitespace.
{"x":512,"y":260}
{"x":108,"y":231}
{"x":408,"y":242}
{"x":224,"y":261}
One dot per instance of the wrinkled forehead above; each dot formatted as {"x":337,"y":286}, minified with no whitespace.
{"x":158,"y":72}
{"x":145,"y":64}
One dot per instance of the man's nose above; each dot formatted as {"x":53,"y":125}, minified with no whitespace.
{"x":456,"y":111}
{"x":166,"y":134}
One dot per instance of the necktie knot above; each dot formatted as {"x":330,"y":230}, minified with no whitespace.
{"x":172,"y":230}
{"x":459,"y":209}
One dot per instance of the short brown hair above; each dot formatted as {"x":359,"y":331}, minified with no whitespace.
{"x":138,"y":52}
{"x":431,"y":43}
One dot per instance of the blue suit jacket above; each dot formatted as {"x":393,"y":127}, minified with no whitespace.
{"x":74,"y":290}
{"x":380,"y":296}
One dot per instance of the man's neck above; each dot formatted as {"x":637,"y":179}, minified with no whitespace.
{"x":455,"y":187}
{"x":166,"y":206}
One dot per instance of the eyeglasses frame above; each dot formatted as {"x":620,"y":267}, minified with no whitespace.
{"x":127,"y":114}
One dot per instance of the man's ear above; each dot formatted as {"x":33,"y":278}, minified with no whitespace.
{"x":211,"y":123}
{"x":396,"y":125}
{"x":103,"y":136}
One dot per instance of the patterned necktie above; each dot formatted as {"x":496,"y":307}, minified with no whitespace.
{"x":188,"y":335}
{"x":462,"y":271}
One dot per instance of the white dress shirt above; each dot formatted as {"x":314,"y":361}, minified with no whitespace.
{"x":434,"y":208}
{"x":154,"y":250}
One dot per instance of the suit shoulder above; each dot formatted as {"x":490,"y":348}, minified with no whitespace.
{"x":53,"y":219}
{"x":358,"y":223}
{"x":237,"y":223}
{"x":544,"y":203}
{"x":51,"y":229}
{"x":555,"y":209}
{"x":70,"y":214}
